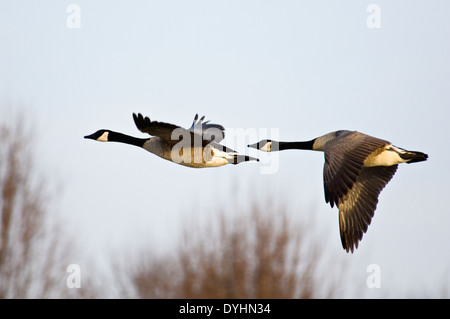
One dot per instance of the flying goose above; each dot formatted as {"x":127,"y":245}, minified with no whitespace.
{"x":357,"y":167}
{"x":196,"y":147}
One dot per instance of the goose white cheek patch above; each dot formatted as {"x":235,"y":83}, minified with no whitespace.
{"x":267,"y":147}
{"x":103,"y":137}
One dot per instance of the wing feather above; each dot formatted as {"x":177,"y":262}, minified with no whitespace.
{"x":357,"y":208}
{"x":172,"y":134}
{"x":351,"y":186}
{"x":344,"y":159}
{"x":208,"y":130}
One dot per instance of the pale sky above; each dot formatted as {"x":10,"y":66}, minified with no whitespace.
{"x":296,"y":69}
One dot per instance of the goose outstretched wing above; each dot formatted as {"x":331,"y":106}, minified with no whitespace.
{"x":351,"y":186}
{"x":173,"y":134}
{"x":344,"y":159}
{"x":210,"y":131}
{"x":357,"y":207}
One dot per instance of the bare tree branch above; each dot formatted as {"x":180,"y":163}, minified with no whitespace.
{"x":32,"y":261}
{"x":259,"y":253}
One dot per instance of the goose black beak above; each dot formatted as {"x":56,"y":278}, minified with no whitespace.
{"x":90,"y":136}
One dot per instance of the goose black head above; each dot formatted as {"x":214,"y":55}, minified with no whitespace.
{"x":263,"y":145}
{"x":100,"y":135}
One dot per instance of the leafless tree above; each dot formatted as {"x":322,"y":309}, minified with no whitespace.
{"x":255,"y":253}
{"x":33,"y":252}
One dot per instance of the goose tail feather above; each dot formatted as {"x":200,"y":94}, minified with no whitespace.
{"x":238,"y":158}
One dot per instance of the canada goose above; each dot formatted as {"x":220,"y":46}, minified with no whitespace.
{"x":196,"y":147}
{"x":357,"y":167}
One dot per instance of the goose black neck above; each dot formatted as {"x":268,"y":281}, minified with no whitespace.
{"x":123,"y":138}
{"x":308,"y":145}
